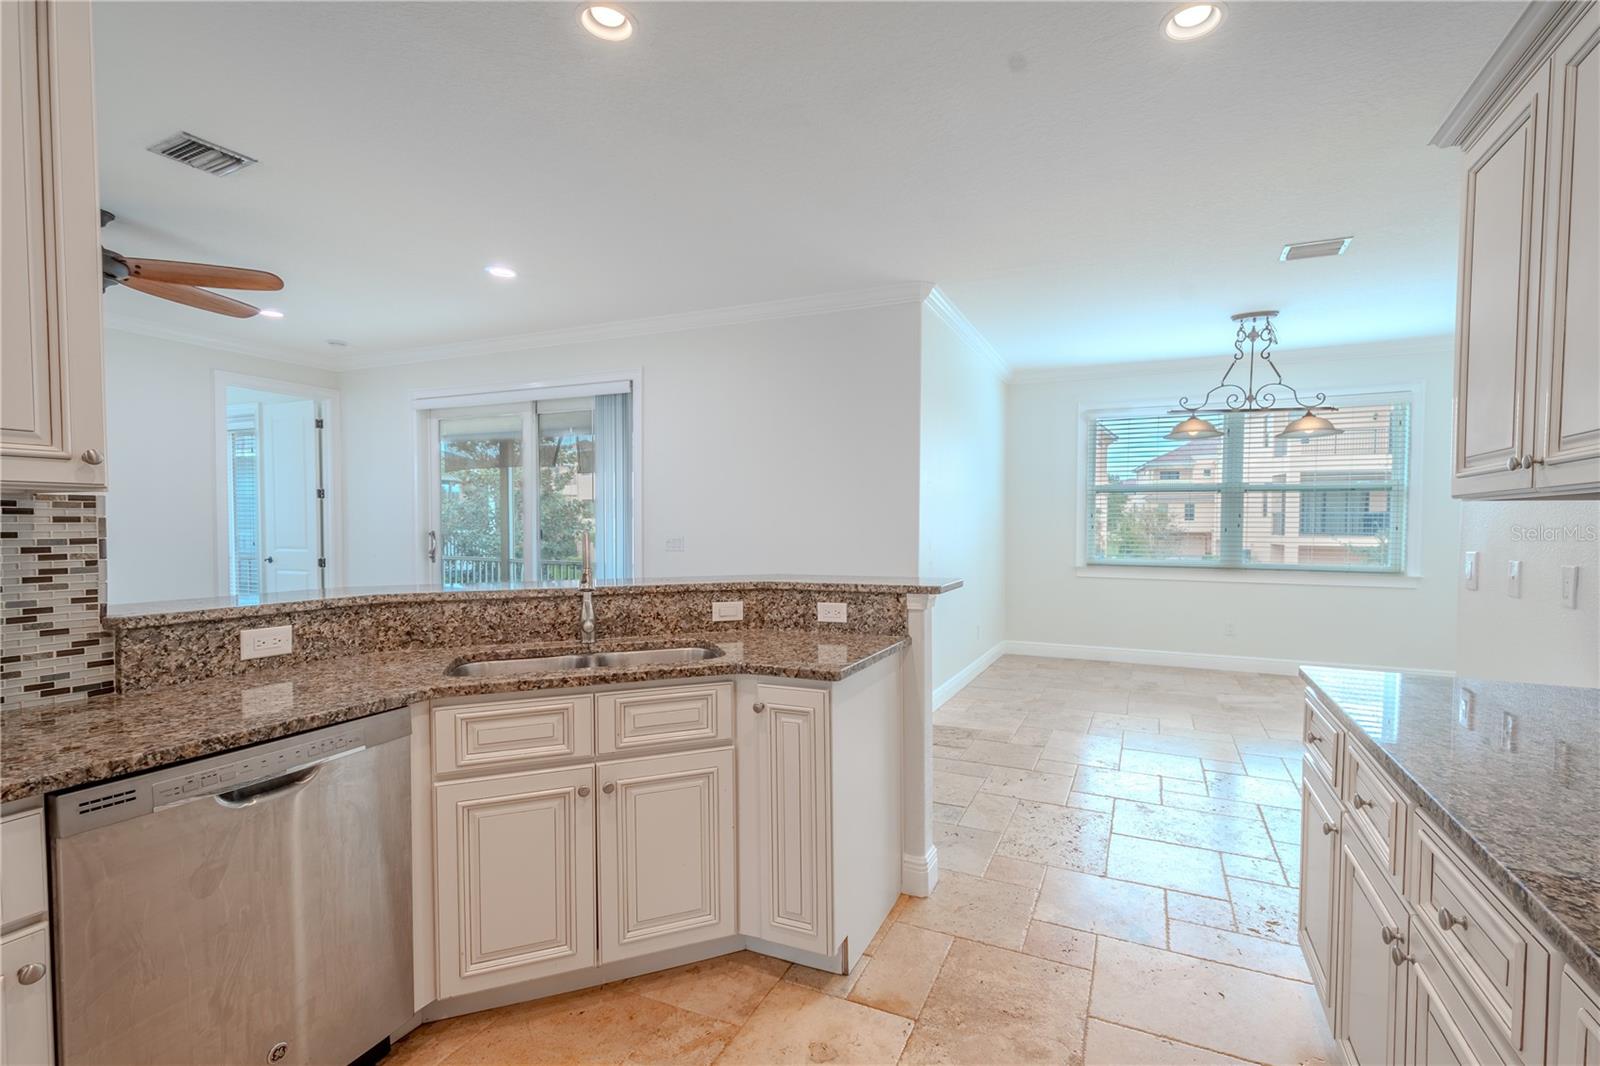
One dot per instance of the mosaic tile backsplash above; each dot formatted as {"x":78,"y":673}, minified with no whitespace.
{"x":53,"y":647}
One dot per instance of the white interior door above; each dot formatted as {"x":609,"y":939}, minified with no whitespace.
{"x":291,"y":521}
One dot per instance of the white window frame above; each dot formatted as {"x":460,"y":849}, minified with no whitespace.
{"x":1410,"y":577}
{"x":427,"y":404}
{"x":332,"y":511}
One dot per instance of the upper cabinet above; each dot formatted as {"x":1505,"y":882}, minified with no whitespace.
{"x":1527,"y":396}
{"x":52,"y":403}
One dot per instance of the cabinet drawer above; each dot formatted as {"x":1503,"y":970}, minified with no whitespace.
{"x":1324,"y":737}
{"x":473,"y":736}
{"x":1580,"y":1024}
{"x":23,"y":896}
{"x":1442,"y":1027}
{"x":1377,"y":810}
{"x":28,"y":1033}
{"x":658,"y":717}
{"x":1498,"y":963}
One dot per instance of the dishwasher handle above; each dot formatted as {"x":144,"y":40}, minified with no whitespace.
{"x":253,"y":793}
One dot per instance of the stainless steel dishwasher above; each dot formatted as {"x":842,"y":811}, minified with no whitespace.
{"x":253,"y":907}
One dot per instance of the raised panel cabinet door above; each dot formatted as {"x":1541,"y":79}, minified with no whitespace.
{"x":667,"y":874}
{"x":1440,"y":1027}
{"x":1319,"y":866}
{"x":1580,"y":1025}
{"x":26,"y":1032}
{"x":1570,"y":399}
{"x":1496,"y":322}
{"x":1370,"y":986}
{"x":786,"y":894}
{"x":52,"y":406}
{"x":515,"y":881}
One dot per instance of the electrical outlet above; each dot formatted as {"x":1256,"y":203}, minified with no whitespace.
{"x":1514,"y":578}
{"x":1569,"y":587}
{"x":1469,"y":571}
{"x":727,"y":610}
{"x":832,"y":612}
{"x":269,"y":640}
{"x":1227,"y":629}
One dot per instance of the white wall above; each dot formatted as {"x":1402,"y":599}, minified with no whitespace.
{"x":161,"y":511}
{"x":1049,"y":601}
{"x":962,"y":495}
{"x":1532,"y":637}
{"x":780,"y":446}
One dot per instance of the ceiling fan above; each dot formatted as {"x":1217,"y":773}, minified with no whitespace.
{"x":180,"y":282}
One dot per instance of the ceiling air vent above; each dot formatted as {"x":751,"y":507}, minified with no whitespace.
{"x":201,"y":154}
{"x":1314,"y":249}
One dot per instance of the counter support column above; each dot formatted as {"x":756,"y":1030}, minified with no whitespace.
{"x":919,"y":860}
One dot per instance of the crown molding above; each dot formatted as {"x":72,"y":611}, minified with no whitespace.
{"x":139,"y":327}
{"x":1531,"y":40}
{"x":975,"y":342}
{"x":794,"y":307}
{"x":1401,"y":348}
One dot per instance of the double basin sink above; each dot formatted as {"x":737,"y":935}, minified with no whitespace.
{"x":588,"y":660}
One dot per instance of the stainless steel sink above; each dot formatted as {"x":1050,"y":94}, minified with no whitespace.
{"x":543,"y":664}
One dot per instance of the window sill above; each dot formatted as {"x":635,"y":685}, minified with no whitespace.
{"x":1316,"y":578}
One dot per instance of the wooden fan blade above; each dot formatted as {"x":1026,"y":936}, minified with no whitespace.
{"x":218,"y":277}
{"x":185,"y":294}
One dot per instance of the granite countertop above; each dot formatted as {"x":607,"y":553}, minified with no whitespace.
{"x":1510,"y":771}
{"x":46,"y":749}
{"x":167,"y":612}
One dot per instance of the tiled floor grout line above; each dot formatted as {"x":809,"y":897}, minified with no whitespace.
{"x":1173,"y":1040}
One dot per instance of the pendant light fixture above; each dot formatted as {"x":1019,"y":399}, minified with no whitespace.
{"x":1261,"y":390}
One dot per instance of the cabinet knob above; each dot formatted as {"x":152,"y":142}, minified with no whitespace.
{"x":609,"y":787}
{"x":1531,"y":461}
{"x":1448,"y":921}
{"x":1391,"y":935}
{"x":1361,"y":802}
{"x":583,"y":790}
{"x":1398,"y":956}
{"x":1514,"y":462}
{"x":1313,"y":738}
{"x":760,"y":708}
{"x":1329,"y":828}
{"x":30,"y":973}
{"x":94,"y":457}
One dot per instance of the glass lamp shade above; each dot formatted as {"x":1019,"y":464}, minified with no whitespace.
{"x":1309,"y":425}
{"x":1193,"y":428}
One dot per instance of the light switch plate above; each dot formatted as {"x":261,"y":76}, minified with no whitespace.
{"x":1469,"y":571}
{"x":1514,"y":578}
{"x":268,"y":640}
{"x":727,"y":610}
{"x":1569,"y":587}
{"x":832,"y":612}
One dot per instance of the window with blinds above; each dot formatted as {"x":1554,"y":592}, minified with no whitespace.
{"x":1250,"y":499}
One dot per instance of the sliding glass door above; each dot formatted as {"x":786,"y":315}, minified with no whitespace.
{"x":514,"y":488}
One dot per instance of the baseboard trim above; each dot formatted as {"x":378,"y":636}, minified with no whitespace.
{"x":1246,"y":664}
{"x":920,"y":875}
{"x":964,"y":676}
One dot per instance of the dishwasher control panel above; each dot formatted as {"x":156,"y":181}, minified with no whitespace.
{"x":261,"y":765}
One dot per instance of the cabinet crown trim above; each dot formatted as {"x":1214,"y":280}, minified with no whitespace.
{"x":1531,"y":40}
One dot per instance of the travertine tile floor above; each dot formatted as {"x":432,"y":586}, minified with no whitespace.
{"x":1119,"y":847}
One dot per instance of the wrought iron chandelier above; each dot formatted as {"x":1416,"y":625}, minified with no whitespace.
{"x":1270,"y":393}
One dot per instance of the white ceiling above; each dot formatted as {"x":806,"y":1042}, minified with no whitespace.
{"x":1082,"y":188}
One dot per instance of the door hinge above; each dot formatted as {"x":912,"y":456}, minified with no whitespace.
{"x":318,"y":424}
{"x":322,"y":494}
{"x":322,"y":562}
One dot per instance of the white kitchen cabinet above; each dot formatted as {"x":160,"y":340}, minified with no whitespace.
{"x":1579,"y":1036}
{"x":1319,"y":868}
{"x":1369,"y":1022}
{"x":1441,"y":1029}
{"x":26,"y":1020}
{"x":1527,"y":388}
{"x":516,"y":877}
{"x":783,"y":738}
{"x":666,"y":861}
{"x":52,"y":390}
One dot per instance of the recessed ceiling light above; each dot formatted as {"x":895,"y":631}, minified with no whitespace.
{"x":1189,"y":22}
{"x":606,"y":21}
{"x":499,"y":270}
{"x":270,"y":312}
